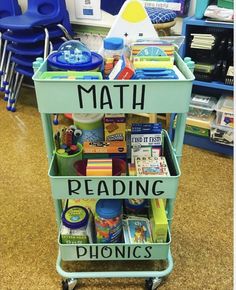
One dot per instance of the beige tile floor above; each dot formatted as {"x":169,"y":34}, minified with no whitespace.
{"x":202,"y":242}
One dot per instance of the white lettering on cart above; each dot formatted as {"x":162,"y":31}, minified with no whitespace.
{"x":132,"y":188}
{"x":115,"y":252}
{"x":103,"y":98}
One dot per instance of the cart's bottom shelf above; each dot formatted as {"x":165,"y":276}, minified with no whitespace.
{"x":121,"y":251}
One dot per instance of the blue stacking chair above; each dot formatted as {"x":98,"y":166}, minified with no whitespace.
{"x":39,"y":13}
{"x":44,"y":20}
{"x":7,"y":8}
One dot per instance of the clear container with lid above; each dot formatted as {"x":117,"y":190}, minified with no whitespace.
{"x":108,"y":221}
{"x":202,"y":106}
{"x":113,"y":49}
{"x":76,"y":226}
{"x":225,"y":112}
{"x":221,"y":134}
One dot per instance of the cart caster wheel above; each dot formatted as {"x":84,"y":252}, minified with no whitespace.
{"x":153,"y":283}
{"x":69,"y":284}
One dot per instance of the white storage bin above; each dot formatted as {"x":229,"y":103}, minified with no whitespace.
{"x":221,"y":134}
{"x":224,"y":112}
{"x":201,"y":106}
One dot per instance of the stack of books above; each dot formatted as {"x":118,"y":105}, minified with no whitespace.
{"x":203,"y":41}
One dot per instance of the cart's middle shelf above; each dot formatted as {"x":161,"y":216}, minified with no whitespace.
{"x":64,"y":187}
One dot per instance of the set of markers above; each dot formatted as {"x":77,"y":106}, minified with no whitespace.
{"x":66,"y":140}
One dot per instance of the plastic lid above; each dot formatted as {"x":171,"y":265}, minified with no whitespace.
{"x":203,"y":102}
{"x":135,"y":204}
{"x":187,"y":59}
{"x":108,"y":208}
{"x":113,"y":43}
{"x":75,"y":217}
{"x":87,"y":118}
{"x":55,"y":60}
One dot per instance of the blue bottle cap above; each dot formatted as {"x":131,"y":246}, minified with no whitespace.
{"x":108,"y":208}
{"x":75,"y":217}
{"x":113,"y":43}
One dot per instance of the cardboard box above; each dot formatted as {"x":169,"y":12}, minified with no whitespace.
{"x":158,"y":221}
{"x":114,"y":127}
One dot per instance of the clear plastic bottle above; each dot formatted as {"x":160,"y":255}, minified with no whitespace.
{"x":113,"y":49}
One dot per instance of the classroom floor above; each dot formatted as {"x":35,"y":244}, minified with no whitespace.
{"x":202,"y":231}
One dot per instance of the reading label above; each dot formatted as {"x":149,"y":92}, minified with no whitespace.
{"x":131,"y":188}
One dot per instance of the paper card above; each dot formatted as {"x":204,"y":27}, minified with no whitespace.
{"x":88,"y":9}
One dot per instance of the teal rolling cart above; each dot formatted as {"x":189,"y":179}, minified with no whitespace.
{"x":57,"y":96}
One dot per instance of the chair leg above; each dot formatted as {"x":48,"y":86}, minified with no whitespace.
{"x":3,"y":62}
{"x":11,"y":99}
{"x":13,"y":108}
{"x":6,"y":72}
{"x":9,"y":86}
{"x":67,"y":35}
{"x":46,"y":43}
{"x":1,"y":44}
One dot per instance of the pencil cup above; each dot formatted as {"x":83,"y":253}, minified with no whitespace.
{"x":65,"y":162}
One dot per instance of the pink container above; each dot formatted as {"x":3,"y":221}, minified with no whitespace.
{"x":118,"y":167}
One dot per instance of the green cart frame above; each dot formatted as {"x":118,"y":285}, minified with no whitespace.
{"x":59,"y":96}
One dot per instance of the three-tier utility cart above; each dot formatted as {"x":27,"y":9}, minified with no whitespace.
{"x":150,"y":96}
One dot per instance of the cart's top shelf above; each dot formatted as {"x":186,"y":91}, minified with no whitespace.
{"x":129,"y":96}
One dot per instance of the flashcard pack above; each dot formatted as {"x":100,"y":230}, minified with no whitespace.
{"x":146,"y":140}
{"x":151,"y":166}
{"x":137,"y":230}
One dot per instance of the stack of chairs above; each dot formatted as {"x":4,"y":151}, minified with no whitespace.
{"x":34,"y":34}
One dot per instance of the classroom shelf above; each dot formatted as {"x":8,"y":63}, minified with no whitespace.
{"x":213,"y":87}
{"x":205,"y":143}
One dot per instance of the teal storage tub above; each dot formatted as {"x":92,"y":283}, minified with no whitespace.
{"x":73,"y":187}
{"x":118,"y":251}
{"x":99,"y":96}
{"x":226,"y":4}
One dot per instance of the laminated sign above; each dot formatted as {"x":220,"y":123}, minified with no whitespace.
{"x":88,"y":9}
{"x":179,"y":6}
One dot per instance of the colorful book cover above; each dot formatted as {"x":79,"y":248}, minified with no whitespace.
{"x":139,"y":231}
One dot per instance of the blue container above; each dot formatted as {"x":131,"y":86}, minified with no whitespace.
{"x":200,"y":8}
{"x":108,"y":220}
{"x":75,"y":217}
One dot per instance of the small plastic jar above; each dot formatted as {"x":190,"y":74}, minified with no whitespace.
{"x":108,"y":221}
{"x":135,"y":205}
{"x":113,"y":49}
{"x":75,"y":217}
